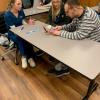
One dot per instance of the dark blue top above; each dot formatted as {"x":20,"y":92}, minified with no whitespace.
{"x":60,"y":19}
{"x":11,"y":19}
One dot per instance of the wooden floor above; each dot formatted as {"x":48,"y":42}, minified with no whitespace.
{"x":37,"y":84}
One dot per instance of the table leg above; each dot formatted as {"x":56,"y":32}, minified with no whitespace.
{"x":92,"y":87}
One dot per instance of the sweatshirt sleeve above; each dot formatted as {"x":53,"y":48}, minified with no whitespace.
{"x":82,"y":31}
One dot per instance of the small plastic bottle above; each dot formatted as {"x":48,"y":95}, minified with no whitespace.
{"x":31,"y":21}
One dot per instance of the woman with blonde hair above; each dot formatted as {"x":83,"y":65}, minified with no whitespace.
{"x":57,"y":14}
{"x":14,"y":17}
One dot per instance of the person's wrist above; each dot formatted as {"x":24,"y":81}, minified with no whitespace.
{"x":41,"y":4}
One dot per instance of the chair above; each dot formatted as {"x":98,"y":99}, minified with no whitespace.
{"x":11,"y":47}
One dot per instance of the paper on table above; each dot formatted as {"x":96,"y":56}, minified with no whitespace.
{"x":35,"y":29}
{"x":42,"y":7}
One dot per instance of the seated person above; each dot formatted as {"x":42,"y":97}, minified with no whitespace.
{"x":57,"y":16}
{"x":13,"y":18}
{"x":85,"y":23}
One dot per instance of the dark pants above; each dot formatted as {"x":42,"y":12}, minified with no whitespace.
{"x":25,"y":48}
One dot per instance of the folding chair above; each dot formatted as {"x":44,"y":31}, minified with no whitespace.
{"x":11,"y":47}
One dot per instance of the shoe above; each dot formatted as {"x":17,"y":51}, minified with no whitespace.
{"x":39,"y":53}
{"x":24,"y":62}
{"x":59,"y":73}
{"x":31,"y":62}
{"x":60,"y":66}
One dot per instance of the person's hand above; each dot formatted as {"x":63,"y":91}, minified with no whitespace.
{"x":41,"y":4}
{"x":58,"y":28}
{"x":54,"y":32}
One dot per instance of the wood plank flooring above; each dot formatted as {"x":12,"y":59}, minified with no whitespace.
{"x":37,"y":84}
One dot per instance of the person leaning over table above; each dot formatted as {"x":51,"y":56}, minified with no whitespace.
{"x":85,"y":23}
{"x":14,"y":17}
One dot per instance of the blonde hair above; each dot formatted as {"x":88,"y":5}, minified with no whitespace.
{"x":56,"y":12}
{"x":11,"y":2}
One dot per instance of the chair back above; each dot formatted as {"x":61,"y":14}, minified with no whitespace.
{"x":3,"y":27}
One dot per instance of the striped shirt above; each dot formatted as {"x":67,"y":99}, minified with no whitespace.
{"x":87,"y":26}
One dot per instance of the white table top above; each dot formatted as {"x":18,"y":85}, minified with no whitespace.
{"x":36,"y":9}
{"x":81,"y":55}
{"x":33,"y":11}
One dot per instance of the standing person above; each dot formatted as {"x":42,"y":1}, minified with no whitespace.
{"x":85,"y":23}
{"x":13,"y":18}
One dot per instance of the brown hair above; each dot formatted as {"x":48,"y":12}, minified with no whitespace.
{"x":99,"y":8}
{"x":73,"y":2}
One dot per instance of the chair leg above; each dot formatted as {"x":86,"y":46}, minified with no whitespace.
{"x":92,"y":87}
{"x":6,"y":53}
{"x":16,"y":57}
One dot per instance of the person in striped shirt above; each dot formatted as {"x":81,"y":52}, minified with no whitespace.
{"x":85,"y":24}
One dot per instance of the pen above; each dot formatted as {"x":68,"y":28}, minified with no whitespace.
{"x":45,"y":29}
{"x":22,"y":28}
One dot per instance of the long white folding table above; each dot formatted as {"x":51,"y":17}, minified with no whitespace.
{"x":81,"y":55}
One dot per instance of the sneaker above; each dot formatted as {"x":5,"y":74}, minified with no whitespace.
{"x":39,"y":53}
{"x":24,"y":62}
{"x":31,"y":62}
{"x":60,"y":66}
{"x":59,"y":73}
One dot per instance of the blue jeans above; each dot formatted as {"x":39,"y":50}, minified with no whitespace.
{"x":25,"y":48}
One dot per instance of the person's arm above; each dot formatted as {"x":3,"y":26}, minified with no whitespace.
{"x":8,"y":21}
{"x":68,"y":27}
{"x":83,"y":31}
{"x":71,"y":26}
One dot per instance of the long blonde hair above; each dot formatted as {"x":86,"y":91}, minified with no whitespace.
{"x":56,"y":12}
